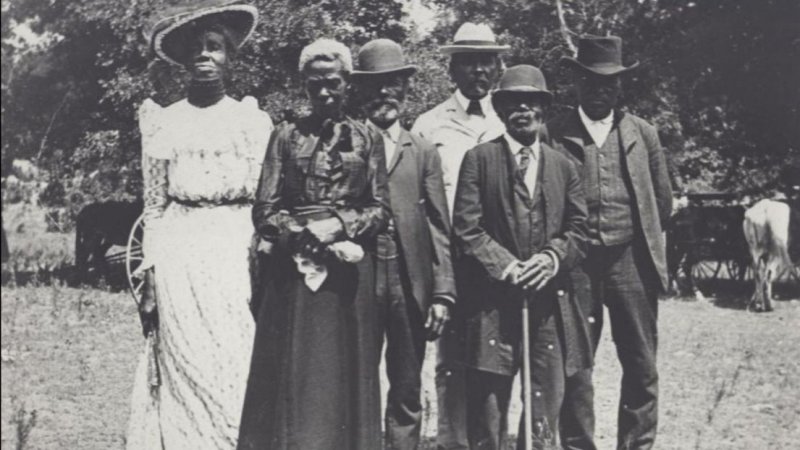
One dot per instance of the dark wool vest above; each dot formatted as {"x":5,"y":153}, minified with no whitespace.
{"x":608,"y":192}
{"x":530,"y":228}
{"x":529,"y":214}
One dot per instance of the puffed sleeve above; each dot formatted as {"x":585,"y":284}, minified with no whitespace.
{"x":155,"y":160}
{"x":258,"y":131}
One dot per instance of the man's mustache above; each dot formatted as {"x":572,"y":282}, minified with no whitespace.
{"x":380,"y":102}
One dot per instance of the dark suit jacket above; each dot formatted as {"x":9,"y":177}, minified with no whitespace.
{"x":416,"y":193}
{"x":484,"y":227}
{"x":646,"y":167}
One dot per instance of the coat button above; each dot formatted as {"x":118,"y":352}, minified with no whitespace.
{"x":492,"y":342}
{"x":560,"y":293}
{"x":550,"y":346}
{"x":591,"y":319}
{"x":538,"y":393}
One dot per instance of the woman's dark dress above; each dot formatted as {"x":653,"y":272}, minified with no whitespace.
{"x":313,"y":380}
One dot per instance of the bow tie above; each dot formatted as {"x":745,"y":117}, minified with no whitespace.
{"x":474,"y":108}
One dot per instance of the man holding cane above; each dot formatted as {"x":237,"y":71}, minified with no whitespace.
{"x":519,"y":219}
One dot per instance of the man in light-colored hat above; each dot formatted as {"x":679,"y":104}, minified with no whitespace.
{"x":629,"y":200}
{"x":467,"y":117}
{"x":454,"y":126}
{"x":415,"y":283}
{"x":520,"y":223}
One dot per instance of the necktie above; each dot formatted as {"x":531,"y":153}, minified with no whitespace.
{"x":474,"y":108}
{"x":525,"y":155}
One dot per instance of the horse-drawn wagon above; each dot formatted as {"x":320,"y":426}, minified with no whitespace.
{"x":705,"y":237}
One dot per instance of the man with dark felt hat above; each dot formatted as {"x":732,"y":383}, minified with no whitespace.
{"x":629,"y":200}
{"x":519,"y":221}
{"x":415,"y":285}
{"x":454,"y":126}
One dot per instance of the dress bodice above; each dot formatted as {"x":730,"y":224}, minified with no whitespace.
{"x":214,"y":154}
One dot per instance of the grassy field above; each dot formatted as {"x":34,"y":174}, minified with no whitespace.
{"x":729,"y":379}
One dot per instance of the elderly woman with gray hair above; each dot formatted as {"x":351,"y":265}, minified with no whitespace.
{"x":321,"y":202}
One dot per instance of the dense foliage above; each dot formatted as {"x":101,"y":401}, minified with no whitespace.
{"x":719,"y":78}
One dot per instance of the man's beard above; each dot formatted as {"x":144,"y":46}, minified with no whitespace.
{"x":384,"y":112}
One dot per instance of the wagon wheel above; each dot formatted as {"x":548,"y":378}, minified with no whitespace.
{"x":737,"y":270}
{"x":134,"y":258}
{"x":703,"y":270}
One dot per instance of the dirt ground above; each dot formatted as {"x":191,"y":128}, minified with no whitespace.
{"x":729,"y":379}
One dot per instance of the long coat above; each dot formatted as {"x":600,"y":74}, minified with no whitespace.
{"x":484,"y":226}
{"x":421,"y":217}
{"x":645,"y":167}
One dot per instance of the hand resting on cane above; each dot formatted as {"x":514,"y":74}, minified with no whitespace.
{"x":535,"y":272}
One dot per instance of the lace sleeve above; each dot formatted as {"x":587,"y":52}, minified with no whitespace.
{"x":258,"y":132}
{"x":154,"y":176}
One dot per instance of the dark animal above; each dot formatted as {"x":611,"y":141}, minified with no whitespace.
{"x":100,"y":226}
{"x":701,"y":233}
{"x":773,"y":234}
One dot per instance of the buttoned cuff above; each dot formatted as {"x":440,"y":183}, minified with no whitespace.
{"x":445,"y":298}
{"x":556,"y":262}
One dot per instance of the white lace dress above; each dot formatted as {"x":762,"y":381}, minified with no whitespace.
{"x":201,"y":168}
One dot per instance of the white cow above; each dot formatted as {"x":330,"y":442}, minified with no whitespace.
{"x":766,"y":228}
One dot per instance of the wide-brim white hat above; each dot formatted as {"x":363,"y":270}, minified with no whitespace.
{"x":164,"y":35}
{"x":474,"y":38}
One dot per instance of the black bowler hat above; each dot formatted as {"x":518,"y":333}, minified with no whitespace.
{"x":382,"y":56}
{"x":522,"y":79}
{"x":599,"y":55}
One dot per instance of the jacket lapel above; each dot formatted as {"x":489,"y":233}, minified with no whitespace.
{"x":575,"y":135}
{"x":504,"y":166}
{"x":550,"y":190}
{"x":628,"y":133}
{"x":403,"y":142}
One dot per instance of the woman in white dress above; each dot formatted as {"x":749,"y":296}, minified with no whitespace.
{"x":201,"y":162}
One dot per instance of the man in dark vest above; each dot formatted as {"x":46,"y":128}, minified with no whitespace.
{"x":415,"y":285}
{"x":519,"y":221}
{"x":629,"y":199}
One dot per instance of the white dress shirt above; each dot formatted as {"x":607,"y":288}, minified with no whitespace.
{"x":598,"y":129}
{"x":390,"y":137}
{"x":530,"y":182}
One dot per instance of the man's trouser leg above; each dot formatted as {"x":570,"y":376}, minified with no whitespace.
{"x":450,"y":389}
{"x":631,"y":295}
{"x":487,"y":408}
{"x":577,"y":413}
{"x":405,"y":349}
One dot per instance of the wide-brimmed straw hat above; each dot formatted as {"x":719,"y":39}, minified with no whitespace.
{"x":382,"y":56}
{"x":599,"y":55}
{"x":474,"y":38}
{"x":522,"y":79}
{"x":169,"y":24}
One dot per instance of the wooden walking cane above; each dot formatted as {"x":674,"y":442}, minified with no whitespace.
{"x":526,"y":375}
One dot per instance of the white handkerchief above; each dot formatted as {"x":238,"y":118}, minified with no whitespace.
{"x":314,"y":274}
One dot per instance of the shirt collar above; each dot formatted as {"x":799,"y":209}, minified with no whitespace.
{"x":515,"y":146}
{"x":393,"y":131}
{"x":608,"y":120}
{"x":486,"y":102}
